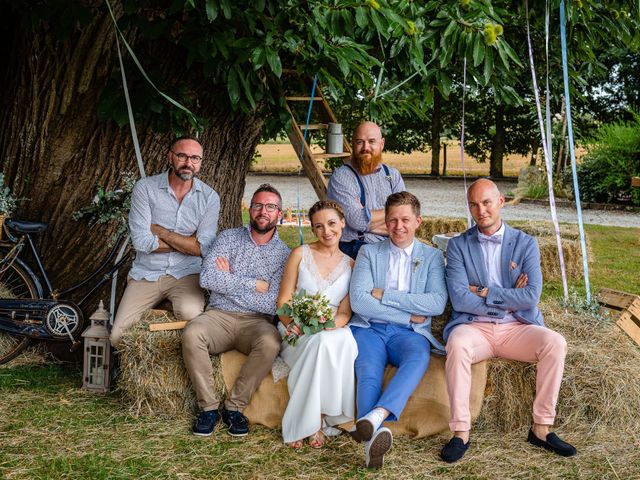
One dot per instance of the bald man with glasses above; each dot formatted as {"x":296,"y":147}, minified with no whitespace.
{"x":173,"y":222}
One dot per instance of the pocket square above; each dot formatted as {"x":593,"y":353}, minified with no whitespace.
{"x":514,"y":265}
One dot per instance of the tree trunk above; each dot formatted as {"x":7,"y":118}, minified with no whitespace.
{"x":535,"y":146}
{"x":54,"y":149}
{"x":498,"y":145}
{"x":436,"y":127}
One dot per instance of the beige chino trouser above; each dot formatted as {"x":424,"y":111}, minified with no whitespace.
{"x":218,"y":331}
{"x":185,"y":294}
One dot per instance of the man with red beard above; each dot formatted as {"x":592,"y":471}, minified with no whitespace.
{"x":361,"y":186}
{"x":173,"y":222}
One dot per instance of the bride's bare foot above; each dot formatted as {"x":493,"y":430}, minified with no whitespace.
{"x":295,"y":445}
{"x":317,"y":439}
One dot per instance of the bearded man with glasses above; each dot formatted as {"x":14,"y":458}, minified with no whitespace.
{"x":243,"y":271}
{"x":173,"y":221}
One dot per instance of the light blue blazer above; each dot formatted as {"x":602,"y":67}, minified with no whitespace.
{"x":465,"y":266}
{"x":427,"y":295}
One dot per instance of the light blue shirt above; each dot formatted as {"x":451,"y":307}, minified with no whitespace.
{"x":344,"y":189}
{"x":491,"y":253}
{"x":153,"y":201}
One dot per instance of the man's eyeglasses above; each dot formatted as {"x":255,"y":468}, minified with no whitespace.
{"x":270,"y":207}
{"x":183,"y":157}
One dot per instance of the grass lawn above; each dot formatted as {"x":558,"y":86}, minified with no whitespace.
{"x":50,"y":428}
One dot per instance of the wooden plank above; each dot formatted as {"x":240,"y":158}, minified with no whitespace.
{"x":158,"y":327}
{"x":634,"y":309}
{"x":615,"y":299}
{"x":635,"y":181}
{"x":332,"y":155}
{"x":303,"y":99}
{"x":310,"y":167}
{"x":631,"y":328}
{"x":313,"y":126}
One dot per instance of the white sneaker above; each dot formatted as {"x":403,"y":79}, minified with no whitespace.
{"x":375,"y":449}
{"x":367,"y":425}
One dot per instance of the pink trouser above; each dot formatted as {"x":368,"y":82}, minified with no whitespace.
{"x":475,"y":342}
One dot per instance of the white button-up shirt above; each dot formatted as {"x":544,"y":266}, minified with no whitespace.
{"x":399,"y":272}
{"x":492,"y":253}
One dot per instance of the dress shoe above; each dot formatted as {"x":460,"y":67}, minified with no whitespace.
{"x":553,"y":443}
{"x":454,"y":450}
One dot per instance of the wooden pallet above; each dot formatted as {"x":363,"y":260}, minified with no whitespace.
{"x":627,"y":308}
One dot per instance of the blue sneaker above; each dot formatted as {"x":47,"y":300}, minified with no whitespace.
{"x":205,"y":423}
{"x":237,"y":424}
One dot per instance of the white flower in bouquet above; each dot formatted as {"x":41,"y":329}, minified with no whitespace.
{"x":310,"y":313}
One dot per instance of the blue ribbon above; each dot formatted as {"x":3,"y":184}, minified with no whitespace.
{"x":576,"y":188}
{"x":306,"y":130}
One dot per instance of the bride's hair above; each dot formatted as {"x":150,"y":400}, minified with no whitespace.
{"x":325,"y":205}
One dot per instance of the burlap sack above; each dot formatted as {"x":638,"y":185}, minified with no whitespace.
{"x":426,"y":413}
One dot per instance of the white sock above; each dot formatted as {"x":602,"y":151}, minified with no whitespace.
{"x":376,"y":417}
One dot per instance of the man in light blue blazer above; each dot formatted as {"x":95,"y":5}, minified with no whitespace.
{"x":495,"y":281}
{"x":397,"y":285}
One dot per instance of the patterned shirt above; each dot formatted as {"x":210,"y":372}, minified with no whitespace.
{"x":344,"y":189}
{"x":153,"y":201}
{"x":235,"y":291}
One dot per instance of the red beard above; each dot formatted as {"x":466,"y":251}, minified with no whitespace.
{"x":366,"y":164}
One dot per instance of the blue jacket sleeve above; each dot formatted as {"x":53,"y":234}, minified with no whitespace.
{"x":462,"y":299}
{"x":521,"y":298}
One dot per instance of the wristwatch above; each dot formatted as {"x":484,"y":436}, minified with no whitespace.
{"x":480,"y":289}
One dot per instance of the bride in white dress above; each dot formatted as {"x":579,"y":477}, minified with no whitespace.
{"x":321,"y":378}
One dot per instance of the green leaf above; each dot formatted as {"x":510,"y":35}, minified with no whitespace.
{"x":478,"y":50}
{"x":226,"y":8}
{"x":503,"y":54}
{"x":342,"y":63}
{"x":211,"y":6}
{"x":450,"y":28}
{"x":247,"y":89}
{"x":274,"y":62}
{"x":361,"y":17}
{"x":512,"y":55}
{"x":488,"y":65}
{"x":258,"y":57}
{"x":233,"y":87}
{"x":306,"y":330}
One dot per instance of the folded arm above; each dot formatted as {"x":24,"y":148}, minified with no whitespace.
{"x":432,"y":300}
{"x":363,"y":302}
{"x":527,"y":297}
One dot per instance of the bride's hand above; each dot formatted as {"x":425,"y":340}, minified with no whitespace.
{"x":294,"y":329}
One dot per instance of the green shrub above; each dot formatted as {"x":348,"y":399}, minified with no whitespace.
{"x":613,"y":158}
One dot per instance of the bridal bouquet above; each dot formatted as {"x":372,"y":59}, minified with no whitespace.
{"x":310,"y":313}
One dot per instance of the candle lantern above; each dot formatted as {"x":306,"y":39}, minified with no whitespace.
{"x":97,"y":352}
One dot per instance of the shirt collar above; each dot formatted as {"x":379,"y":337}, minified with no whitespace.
{"x":394,"y":249}
{"x":498,"y":233}
{"x":275,"y":236}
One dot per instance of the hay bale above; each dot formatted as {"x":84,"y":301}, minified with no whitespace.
{"x":550,"y":263}
{"x":153,"y":379}
{"x":433,"y":225}
{"x":600,"y":388}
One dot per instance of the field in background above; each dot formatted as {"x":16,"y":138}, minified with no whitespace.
{"x":282,"y":158}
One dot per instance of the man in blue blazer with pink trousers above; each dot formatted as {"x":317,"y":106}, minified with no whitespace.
{"x":397,"y":285}
{"x":495,"y":281}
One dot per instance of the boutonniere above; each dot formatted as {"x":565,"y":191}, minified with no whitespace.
{"x":416,"y":263}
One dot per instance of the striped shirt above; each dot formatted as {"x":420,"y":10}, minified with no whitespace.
{"x":344,"y":189}
{"x":235,"y":291}
{"x":153,"y":201}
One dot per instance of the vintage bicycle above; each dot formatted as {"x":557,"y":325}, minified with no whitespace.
{"x":31,"y":309}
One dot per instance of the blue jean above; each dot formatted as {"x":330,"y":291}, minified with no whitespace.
{"x":398,"y":345}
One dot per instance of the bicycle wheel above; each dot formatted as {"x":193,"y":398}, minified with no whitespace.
{"x":15,"y":282}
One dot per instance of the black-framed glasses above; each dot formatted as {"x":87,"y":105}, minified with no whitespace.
{"x":270,"y":207}
{"x":183,"y":157}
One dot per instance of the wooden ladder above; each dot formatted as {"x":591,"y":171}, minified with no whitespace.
{"x":310,"y":161}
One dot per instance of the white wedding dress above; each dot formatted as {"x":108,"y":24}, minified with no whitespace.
{"x":321,"y":379}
